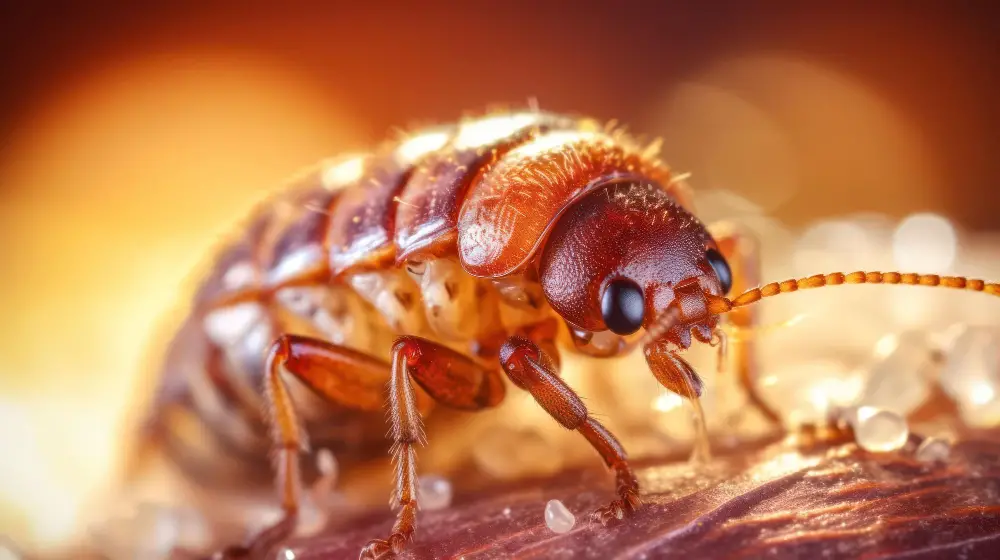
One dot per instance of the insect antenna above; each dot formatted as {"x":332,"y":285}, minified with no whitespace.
{"x":719,"y":304}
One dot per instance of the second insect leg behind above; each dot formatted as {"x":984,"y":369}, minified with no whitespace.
{"x":352,"y":379}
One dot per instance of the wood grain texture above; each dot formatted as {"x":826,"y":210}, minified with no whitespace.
{"x":833,"y":501}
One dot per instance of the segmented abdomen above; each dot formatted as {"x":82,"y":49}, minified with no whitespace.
{"x":326,"y":258}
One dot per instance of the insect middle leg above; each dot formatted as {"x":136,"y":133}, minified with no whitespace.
{"x":742,"y":252}
{"x":532,"y":370}
{"x":339,"y":375}
{"x":449,"y":378}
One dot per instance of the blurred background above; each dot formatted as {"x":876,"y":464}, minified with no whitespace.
{"x":132,"y":137}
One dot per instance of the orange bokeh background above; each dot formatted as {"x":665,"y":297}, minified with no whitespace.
{"x":133,"y":137}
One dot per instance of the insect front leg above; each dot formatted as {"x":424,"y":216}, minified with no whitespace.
{"x":742,"y":252}
{"x":449,"y":378}
{"x":675,"y":374}
{"x":339,"y":375}
{"x":532,"y":370}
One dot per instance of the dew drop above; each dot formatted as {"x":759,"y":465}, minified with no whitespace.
{"x":971,"y":375}
{"x":558,"y":518}
{"x":933,"y":450}
{"x":434,"y":492}
{"x":899,"y":379}
{"x":880,"y":431}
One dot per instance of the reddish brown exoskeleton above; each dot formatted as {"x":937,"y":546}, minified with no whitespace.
{"x":437,"y":265}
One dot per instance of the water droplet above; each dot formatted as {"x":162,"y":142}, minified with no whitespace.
{"x":933,"y":450}
{"x":558,"y":518}
{"x":971,"y":375}
{"x":899,"y":379}
{"x":880,"y":431}
{"x":433,"y":492}
{"x":286,"y":554}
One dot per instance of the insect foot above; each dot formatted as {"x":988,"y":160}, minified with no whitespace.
{"x":382,"y":548}
{"x":626,"y":504}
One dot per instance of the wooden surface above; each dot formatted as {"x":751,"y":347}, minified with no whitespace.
{"x":781,"y":501}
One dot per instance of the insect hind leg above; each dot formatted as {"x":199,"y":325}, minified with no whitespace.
{"x":339,"y":375}
{"x":450,"y":379}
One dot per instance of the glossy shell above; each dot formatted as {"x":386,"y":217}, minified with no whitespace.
{"x":509,"y":210}
{"x":331,"y":256}
{"x":427,"y":216}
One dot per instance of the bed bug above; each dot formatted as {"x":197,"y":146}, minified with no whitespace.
{"x":438,"y":266}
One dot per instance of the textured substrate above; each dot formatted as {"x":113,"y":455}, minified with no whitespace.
{"x":782,"y":501}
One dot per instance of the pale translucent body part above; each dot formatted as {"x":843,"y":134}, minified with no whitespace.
{"x":899,"y":379}
{"x":971,"y":375}
{"x":702,"y":451}
{"x":879,"y":431}
{"x":933,"y":450}
{"x":557,"y":518}
{"x":458,"y":306}
{"x":433,"y":493}
{"x":395,"y":296}
{"x":336,"y":314}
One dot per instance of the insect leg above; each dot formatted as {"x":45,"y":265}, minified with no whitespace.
{"x":449,"y":378}
{"x":742,"y":252}
{"x":340,"y":375}
{"x":532,"y":370}
{"x":674,"y":373}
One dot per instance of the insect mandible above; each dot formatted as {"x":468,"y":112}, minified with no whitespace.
{"x":438,"y":265}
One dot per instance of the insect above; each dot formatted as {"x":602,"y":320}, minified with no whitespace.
{"x":436,"y":267}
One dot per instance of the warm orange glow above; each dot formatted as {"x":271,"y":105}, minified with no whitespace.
{"x":112,"y":193}
{"x":137,"y":137}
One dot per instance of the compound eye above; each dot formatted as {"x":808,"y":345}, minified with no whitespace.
{"x":721,"y":268}
{"x":622,"y":306}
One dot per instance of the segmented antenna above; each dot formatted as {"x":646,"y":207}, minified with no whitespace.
{"x":718,"y":304}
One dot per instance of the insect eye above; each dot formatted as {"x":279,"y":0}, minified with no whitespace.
{"x":622,"y":306}
{"x":721,"y":268}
